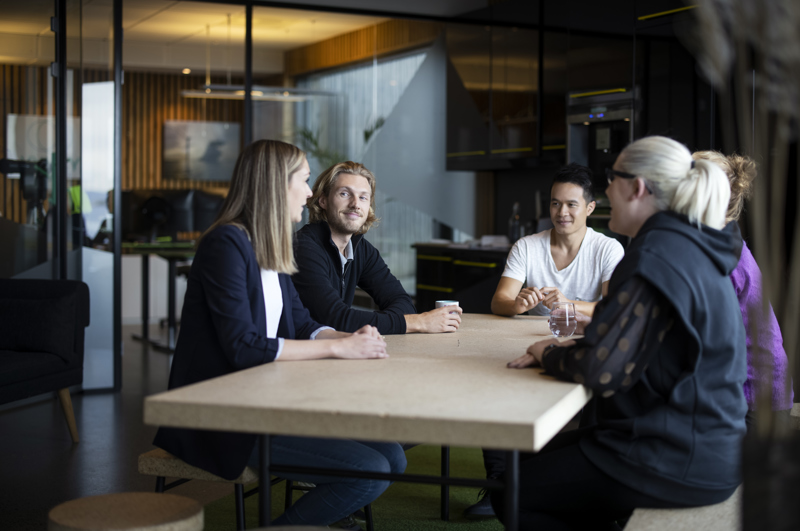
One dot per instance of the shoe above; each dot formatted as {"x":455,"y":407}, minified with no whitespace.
{"x":360,"y":515}
{"x":482,"y":509}
{"x":348,"y":522}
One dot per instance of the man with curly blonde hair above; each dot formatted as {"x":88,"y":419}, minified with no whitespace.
{"x":333,"y":257}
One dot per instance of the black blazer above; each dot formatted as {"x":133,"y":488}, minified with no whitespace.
{"x":223,"y":330}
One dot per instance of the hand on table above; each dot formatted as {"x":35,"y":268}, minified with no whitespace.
{"x":444,"y":319}
{"x":583,"y":321}
{"x":527,"y":299}
{"x":365,"y":343}
{"x":533,"y":356}
{"x":370,"y":331}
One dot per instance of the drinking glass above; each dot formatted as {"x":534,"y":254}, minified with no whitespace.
{"x":562,"y":319}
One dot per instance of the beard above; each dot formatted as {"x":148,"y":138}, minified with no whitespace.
{"x":341,"y":225}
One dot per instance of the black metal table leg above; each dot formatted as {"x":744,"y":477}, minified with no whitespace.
{"x":264,"y":486}
{"x":239,"y":506}
{"x":145,"y":335}
{"x":445,"y":489}
{"x":171,"y":273}
{"x":512,"y":490}
{"x":168,"y":345}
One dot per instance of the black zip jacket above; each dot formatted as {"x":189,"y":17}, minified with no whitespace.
{"x":328,"y":293}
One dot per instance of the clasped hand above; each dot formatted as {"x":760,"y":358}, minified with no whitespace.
{"x":533,"y":356}
{"x":531,"y":296}
{"x":364,"y":343}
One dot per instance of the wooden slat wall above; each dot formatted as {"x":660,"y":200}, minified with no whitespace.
{"x":387,"y":37}
{"x":148,"y":99}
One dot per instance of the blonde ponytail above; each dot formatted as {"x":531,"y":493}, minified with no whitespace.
{"x":698,"y":189}
{"x":703,"y":195}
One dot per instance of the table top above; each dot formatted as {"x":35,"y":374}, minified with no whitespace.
{"x":450,"y":389}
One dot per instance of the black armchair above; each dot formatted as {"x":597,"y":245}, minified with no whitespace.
{"x":41,"y":343}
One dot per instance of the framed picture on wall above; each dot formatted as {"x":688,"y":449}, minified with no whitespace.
{"x":201,"y":151}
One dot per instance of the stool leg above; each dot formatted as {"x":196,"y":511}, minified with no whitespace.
{"x":159,"y":483}
{"x":239,"y":499}
{"x":368,"y":512}
{"x":287,"y":502}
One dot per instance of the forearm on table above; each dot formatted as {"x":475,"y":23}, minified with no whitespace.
{"x":301,"y":349}
{"x":585,"y":307}
{"x":330,"y":334}
{"x":618,"y":342}
{"x":414,"y":323}
{"x":502,"y":305}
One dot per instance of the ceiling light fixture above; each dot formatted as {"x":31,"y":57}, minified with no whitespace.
{"x":186,"y":71}
{"x":258,"y":93}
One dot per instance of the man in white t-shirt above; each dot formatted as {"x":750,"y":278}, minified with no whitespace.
{"x":570,"y":262}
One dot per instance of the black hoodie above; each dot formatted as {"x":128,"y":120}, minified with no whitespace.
{"x":672,"y":429}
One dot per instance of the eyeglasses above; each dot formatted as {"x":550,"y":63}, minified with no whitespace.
{"x":611,"y":173}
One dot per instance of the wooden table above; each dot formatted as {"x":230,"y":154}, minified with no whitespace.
{"x":445,"y":389}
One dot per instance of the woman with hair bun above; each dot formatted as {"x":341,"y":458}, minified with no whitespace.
{"x":765,"y":348}
{"x":664,"y":355}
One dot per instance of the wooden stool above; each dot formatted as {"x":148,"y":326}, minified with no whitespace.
{"x":725,"y":516}
{"x":129,"y":511}
{"x":163,"y":464}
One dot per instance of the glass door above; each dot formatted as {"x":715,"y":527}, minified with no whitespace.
{"x":27,"y":141}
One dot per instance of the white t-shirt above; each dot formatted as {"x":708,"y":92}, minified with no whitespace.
{"x":531,"y":263}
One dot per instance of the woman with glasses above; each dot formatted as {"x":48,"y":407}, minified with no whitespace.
{"x":241,"y":311}
{"x":664,"y":355}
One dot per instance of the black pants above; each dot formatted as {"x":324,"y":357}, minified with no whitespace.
{"x":562,"y":490}
{"x":495,"y":460}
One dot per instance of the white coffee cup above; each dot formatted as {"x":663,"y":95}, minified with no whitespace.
{"x":440,"y":304}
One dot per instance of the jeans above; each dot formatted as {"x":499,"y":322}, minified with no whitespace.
{"x":333,"y":498}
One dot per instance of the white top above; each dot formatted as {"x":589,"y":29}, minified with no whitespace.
{"x":273,"y":304}
{"x":531,"y":263}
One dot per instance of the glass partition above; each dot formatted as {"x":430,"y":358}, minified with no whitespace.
{"x":27,"y":140}
{"x":90,"y":192}
{"x":369,"y":90}
{"x":183,"y":113}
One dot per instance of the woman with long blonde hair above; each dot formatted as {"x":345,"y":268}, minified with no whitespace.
{"x":241,"y":311}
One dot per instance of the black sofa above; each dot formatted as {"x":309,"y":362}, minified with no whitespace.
{"x":41,"y":342}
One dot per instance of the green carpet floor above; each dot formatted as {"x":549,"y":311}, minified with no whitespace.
{"x":403,"y":507}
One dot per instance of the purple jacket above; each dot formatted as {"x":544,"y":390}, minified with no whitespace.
{"x":746,"y":280}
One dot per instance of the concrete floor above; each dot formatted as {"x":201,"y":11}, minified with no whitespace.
{"x":40,"y":467}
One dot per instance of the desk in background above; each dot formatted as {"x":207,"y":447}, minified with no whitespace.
{"x":172,"y":252}
{"x":443,"y":389}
